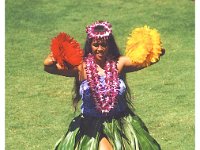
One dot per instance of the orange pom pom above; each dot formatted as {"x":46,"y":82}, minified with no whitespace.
{"x":66,"y":49}
{"x":144,"y":46}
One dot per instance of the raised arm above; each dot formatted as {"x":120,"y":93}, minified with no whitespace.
{"x":51,"y":66}
{"x":126,"y":65}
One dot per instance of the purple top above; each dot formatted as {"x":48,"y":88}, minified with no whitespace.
{"x":88,"y":105}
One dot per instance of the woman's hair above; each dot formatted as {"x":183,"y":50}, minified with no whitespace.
{"x":113,"y":53}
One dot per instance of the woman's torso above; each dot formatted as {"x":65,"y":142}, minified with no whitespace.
{"x":88,"y":104}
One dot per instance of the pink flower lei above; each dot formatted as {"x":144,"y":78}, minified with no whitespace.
{"x":105,"y":97}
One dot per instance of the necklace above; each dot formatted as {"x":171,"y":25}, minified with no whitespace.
{"x":105,"y":97}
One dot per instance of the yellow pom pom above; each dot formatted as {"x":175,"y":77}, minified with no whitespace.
{"x":144,"y":46}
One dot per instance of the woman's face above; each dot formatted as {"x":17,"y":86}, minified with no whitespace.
{"x":99,"y":48}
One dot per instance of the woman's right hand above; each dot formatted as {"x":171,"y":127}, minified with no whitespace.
{"x":51,"y":66}
{"x":49,"y":60}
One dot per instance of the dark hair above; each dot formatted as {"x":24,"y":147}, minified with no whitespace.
{"x":113,"y":53}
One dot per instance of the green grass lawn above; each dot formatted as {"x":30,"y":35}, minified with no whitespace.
{"x":38,"y":104}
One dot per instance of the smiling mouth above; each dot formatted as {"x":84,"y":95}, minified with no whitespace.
{"x":99,"y":55}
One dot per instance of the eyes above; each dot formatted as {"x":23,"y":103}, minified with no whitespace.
{"x":104,"y":45}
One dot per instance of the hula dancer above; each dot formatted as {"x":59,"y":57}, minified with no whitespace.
{"x":107,"y":120}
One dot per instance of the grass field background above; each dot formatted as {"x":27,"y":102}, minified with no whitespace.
{"x":38,"y":104}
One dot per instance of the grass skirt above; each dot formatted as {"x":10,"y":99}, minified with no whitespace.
{"x":124,"y":132}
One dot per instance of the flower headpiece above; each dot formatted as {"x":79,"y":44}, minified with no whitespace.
{"x":99,"y":29}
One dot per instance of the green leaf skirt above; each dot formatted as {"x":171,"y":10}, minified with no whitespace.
{"x":124,"y":132}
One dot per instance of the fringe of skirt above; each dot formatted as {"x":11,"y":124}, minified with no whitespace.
{"x":124,"y":132}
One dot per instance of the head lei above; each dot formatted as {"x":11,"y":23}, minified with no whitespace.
{"x":99,"y":29}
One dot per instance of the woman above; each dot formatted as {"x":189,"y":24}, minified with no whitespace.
{"x":107,"y":121}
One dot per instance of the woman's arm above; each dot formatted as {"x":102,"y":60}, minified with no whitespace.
{"x":51,"y":66}
{"x":127,"y":65}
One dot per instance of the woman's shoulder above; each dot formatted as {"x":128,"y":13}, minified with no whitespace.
{"x":81,"y":70}
{"x":81,"y":66}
